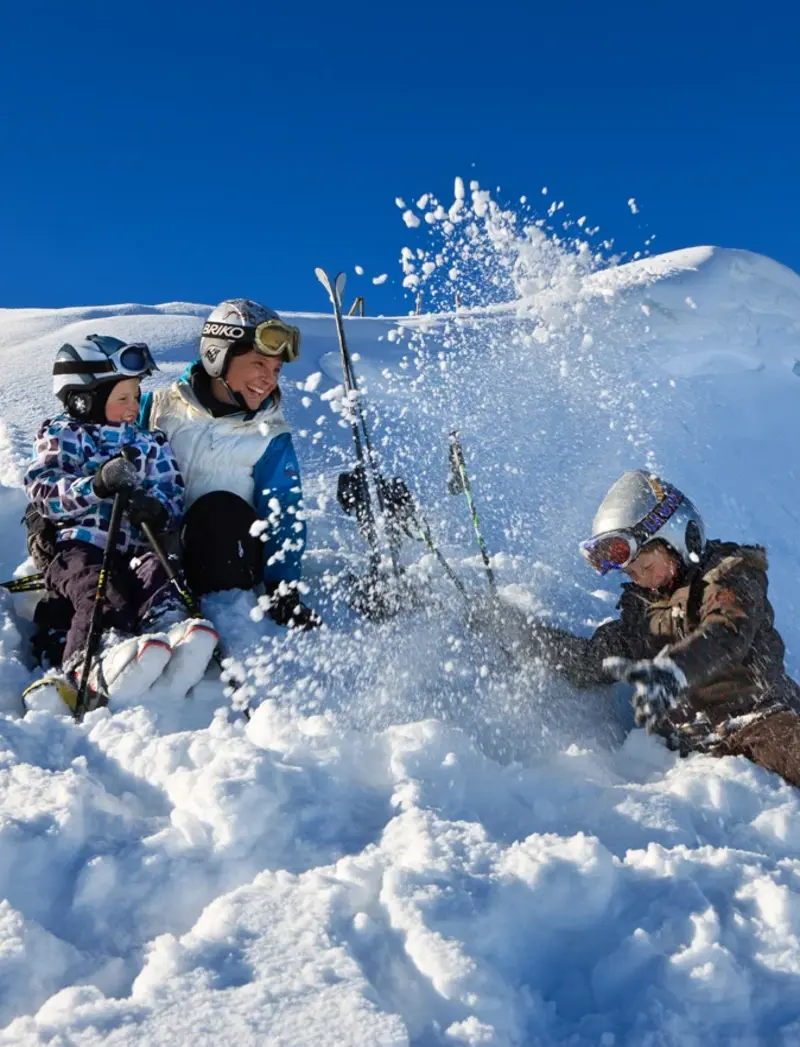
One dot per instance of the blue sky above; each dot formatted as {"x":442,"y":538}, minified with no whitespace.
{"x":177,"y":151}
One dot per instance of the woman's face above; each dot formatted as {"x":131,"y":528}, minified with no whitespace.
{"x":255,"y":376}
{"x":122,"y":404}
{"x":656,"y":567}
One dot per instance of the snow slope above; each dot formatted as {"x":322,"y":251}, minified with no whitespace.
{"x":412,"y":841}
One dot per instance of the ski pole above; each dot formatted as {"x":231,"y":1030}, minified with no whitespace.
{"x":458,"y":483}
{"x":95,"y":626}
{"x":29,"y":583}
{"x":180,"y":585}
{"x":451,"y":574}
{"x":406,"y":512}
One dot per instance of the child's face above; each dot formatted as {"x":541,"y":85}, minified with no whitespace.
{"x":122,"y":404}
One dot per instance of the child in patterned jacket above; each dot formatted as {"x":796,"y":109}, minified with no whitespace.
{"x":77,"y":470}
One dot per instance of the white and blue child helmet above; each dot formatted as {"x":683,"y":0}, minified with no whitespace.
{"x":87,"y":366}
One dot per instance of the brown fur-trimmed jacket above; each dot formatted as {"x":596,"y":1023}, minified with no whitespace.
{"x":718,"y":626}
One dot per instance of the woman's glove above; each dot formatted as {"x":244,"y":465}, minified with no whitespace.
{"x":286,"y":608}
{"x":113,"y":476}
{"x":658,"y":685}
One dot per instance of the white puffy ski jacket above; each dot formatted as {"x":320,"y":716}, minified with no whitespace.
{"x":250,"y":455}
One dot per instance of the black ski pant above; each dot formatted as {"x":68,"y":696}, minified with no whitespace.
{"x":219,"y":552}
{"x":51,"y":618}
{"x":131,"y":592}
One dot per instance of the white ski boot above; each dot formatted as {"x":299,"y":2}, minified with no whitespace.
{"x":127,"y":669}
{"x":193,"y":642}
{"x":52,"y":694}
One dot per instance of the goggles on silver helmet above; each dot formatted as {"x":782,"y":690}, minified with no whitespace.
{"x":615,"y":550}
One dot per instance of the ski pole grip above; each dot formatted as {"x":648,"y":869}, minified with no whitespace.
{"x":126,"y":452}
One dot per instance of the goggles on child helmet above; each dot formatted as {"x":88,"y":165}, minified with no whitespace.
{"x":612,"y":551}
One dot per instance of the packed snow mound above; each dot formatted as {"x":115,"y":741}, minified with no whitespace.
{"x":412,"y":841}
{"x":753,"y":296}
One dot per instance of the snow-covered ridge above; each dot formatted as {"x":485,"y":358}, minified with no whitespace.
{"x":364,"y":863}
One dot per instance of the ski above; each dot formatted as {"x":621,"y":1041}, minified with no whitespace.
{"x":399,"y":512}
{"x":29,"y":583}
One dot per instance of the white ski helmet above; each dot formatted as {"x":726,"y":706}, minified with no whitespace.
{"x":240,"y":324}
{"x":638,"y":509}
{"x":82,"y":367}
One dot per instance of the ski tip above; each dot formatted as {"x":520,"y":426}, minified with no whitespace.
{"x":325,"y":280}
{"x":341,"y":280}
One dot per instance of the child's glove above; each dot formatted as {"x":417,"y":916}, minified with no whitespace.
{"x":146,"y":508}
{"x":658,"y":684}
{"x":113,"y":476}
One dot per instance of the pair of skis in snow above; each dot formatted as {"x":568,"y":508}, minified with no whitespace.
{"x":398,"y":512}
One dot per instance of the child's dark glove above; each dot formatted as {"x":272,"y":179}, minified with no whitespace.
{"x":146,"y":508}
{"x":113,"y":476}
{"x":658,"y":686}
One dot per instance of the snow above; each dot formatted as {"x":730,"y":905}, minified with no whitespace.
{"x":415,"y":839}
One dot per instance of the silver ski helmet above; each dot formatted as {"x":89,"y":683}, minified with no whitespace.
{"x":238,"y":325}
{"x":85,"y":370}
{"x":641,"y":508}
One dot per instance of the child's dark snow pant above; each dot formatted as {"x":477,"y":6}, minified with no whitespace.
{"x":773,"y":743}
{"x":52,"y":616}
{"x":130,"y":591}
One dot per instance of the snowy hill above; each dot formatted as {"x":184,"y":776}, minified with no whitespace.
{"x":412,"y":842}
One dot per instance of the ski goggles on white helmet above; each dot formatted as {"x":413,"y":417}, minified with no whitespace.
{"x":615,"y":550}
{"x":133,"y":361}
{"x":270,"y":338}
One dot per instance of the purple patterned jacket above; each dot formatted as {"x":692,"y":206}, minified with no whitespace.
{"x":67,"y":454}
